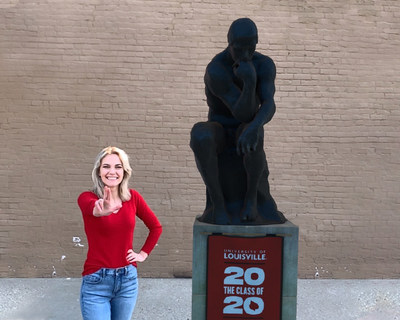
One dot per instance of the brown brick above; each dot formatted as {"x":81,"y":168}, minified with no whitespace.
{"x":78,"y":75}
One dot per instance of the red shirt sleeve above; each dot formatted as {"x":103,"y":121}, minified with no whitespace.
{"x":150,"y":220}
{"x":86,"y":202}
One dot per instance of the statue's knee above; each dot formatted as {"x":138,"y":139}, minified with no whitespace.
{"x":200,"y":137}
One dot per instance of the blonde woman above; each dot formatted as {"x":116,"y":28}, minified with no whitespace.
{"x":109,"y":279}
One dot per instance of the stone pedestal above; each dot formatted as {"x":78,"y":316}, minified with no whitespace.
{"x":287,"y":230}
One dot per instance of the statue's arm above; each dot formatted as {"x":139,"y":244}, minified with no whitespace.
{"x":242,"y":103}
{"x":265,"y":92}
{"x":249,"y":138}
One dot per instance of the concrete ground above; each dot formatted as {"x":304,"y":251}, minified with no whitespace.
{"x":170,"y":299}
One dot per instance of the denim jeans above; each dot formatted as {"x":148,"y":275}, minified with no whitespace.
{"x":109,"y":294}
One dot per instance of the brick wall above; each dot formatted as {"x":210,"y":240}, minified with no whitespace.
{"x":79,"y":75}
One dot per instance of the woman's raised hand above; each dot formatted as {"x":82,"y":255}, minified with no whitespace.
{"x":103,"y":207}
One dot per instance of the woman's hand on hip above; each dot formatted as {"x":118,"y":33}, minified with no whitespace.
{"x":136,"y":257}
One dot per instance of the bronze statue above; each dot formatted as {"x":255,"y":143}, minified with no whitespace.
{"x":229,"y":147}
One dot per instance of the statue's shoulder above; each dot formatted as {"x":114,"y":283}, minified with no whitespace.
{"x":219,"y":61}
{"x":262,"y":59}
{"x":264,"y":64}
{"x":217,"y":69}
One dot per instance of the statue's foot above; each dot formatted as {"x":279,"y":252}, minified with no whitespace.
{"x":249,"y":213}
{"x":206,"y":217}
{"x":215,"y":216}
{"x":222,"y":217}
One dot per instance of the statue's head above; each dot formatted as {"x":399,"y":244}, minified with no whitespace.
{"x":242,"y":39}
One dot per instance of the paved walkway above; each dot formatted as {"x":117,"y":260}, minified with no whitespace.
{"x":170,"y":299}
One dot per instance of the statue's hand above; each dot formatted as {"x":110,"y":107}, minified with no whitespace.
{"x":248,"y":140}
{"x":245,"y":71}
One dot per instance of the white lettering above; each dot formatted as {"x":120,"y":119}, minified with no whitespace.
{"x":247,"y":256}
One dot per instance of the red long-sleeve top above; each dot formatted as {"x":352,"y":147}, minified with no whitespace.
{"x":111,"y":237}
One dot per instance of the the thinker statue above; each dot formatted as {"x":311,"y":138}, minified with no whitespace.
{"x":229,"y":147}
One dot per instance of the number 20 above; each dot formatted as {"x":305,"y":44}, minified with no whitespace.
{"x":236,"y":274}
{"x":237,"y":303}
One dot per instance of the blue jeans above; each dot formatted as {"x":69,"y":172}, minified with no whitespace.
{"x":109,"y":294}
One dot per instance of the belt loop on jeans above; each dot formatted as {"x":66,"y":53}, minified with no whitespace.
{"x":103,"y":271}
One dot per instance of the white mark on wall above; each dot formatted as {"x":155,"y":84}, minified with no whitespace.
{"x":320,"y":272}
{"x":54,"y":274}
{"x":63,"y":257}
{"x":77,"y":242}
{"x":347,"y":270}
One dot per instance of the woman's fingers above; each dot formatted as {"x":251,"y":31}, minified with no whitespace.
{"x":130,"y":256}
{"x":103,"y":205}
{"x":136,"y":257}
{"x":107,"y":194}
{"x":106,"y":197}
{"x":99,"y":205}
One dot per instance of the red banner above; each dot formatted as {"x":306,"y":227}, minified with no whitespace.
{"x":244,"y":278}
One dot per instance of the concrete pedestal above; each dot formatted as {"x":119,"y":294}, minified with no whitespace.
{"x":287,"y":230}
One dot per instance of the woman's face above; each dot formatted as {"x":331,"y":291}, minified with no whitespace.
{"x":111,"y":170}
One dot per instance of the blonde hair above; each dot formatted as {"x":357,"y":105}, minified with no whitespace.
{"x":123,"y":189}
